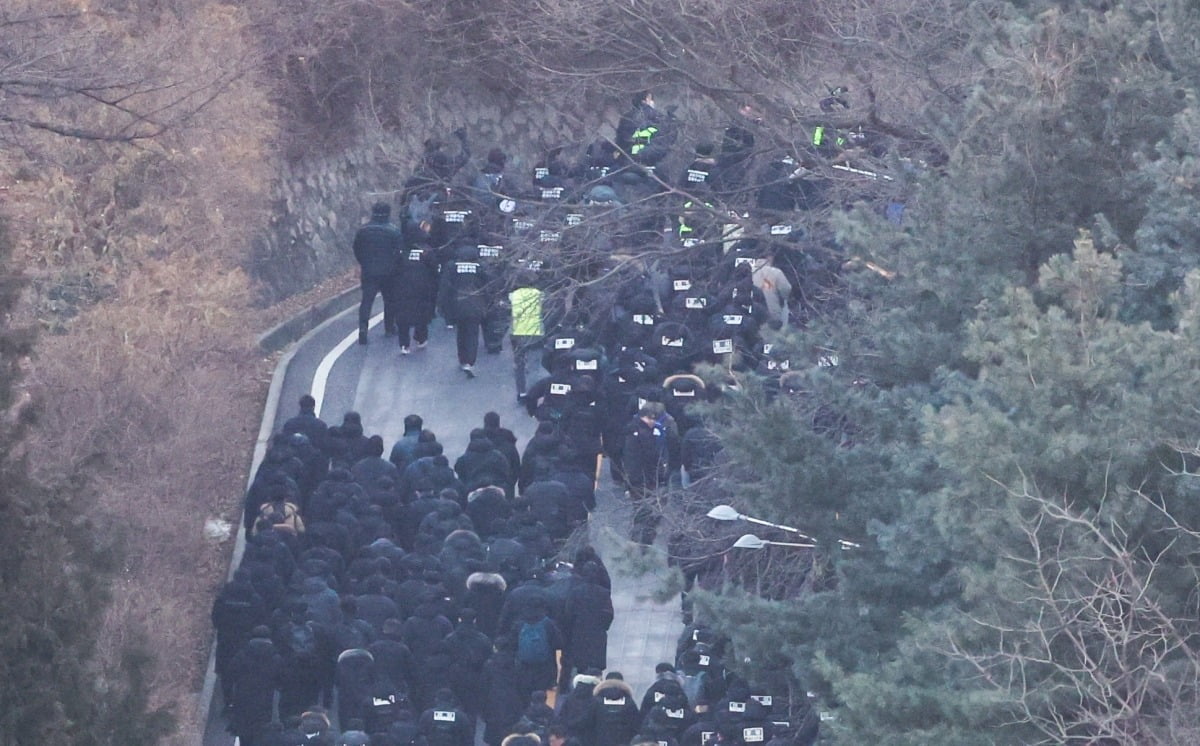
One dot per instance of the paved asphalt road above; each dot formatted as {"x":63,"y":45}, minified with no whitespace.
{"x":384,"y":387}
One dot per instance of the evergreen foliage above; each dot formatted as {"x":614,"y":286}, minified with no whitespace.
{"x":1009,"y":431}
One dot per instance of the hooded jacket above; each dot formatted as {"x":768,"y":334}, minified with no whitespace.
{"x":482,"y":465}
{"x":587,"y":616}
{"x":613,"y":715}
{"x":485,"y":594}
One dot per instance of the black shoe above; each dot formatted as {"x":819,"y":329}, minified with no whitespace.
{"x":362,"y":334}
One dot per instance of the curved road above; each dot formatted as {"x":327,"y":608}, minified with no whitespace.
{"x":385,"y":386}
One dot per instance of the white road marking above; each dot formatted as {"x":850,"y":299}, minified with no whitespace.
{"x":321,"y":377}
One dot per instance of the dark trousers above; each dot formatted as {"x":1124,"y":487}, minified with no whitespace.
{"x":466,"y":333}
{"x":372,"y":286}
{"x":521,"y":347}
{"x":495,"y":326}
{"x":420,"y":333}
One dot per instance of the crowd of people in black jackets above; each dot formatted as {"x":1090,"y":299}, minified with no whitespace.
{"x":685,"y":253}
{"x":428,"y":595}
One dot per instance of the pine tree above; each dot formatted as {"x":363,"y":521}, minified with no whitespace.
{"x":1002,"y":399}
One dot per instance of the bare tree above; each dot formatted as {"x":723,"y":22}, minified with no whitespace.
{"x":88,"y":75}
{"x":1100,"y":654}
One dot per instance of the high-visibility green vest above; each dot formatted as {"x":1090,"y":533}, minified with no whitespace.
{"x":684,"y":228}
{"x":641,"y":138}
{"x":526,"y":312}
{"x":819,"y":137}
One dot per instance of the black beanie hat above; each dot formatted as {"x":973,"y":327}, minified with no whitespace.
{"x":381,"y":210}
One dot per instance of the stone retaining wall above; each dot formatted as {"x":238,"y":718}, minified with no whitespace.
{"x":320,"y":201}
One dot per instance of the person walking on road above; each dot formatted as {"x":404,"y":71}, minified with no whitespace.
{"x":528,"y":330}
{"x":416,"y":289}
{"x":377,"y":248}
{"x":649,"y":444}
{"x":466,"y":303}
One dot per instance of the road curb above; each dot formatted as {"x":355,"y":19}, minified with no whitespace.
{"x":288,"y":334}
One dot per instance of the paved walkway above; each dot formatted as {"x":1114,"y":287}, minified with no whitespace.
{"x":391,"y":386}
{"x":384,"y":387}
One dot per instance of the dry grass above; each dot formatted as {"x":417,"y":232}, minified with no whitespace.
{"x":148,"y":381}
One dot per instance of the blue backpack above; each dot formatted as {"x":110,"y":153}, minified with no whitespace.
{"x":533,"y":645}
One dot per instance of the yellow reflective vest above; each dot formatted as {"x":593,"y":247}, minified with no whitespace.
{"x":526,"y":312}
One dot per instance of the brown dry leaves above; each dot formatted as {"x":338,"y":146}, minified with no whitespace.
{"x":146,"y":372}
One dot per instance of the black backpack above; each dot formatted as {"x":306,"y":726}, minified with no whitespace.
{"x":302,"y":643}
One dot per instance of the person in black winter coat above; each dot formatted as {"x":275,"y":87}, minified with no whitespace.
{"x":405,"y":447}
{"x":368,"y":469}
{"x":346,"y":442}
{"x":435,"y":527}
{"x":462,"y":552}
{"x":612,"y":717}
{"x":393,"y":659}
{"x":580,"y":481}
{"x":255,"y":673}
{"x":736,"y":157}
{"x":527,"y":599}
{"x":482,"y":464}
{"x":543,"y":445}
{"x":506,"y":442}
{"x":485,"y":507}
{"x":548,"y":501}
{"x":587,"y":616}
{"x":645,"y":460}
{"x":425,"y":629}
{"x":446,"y":725}
{"x":666,"y":687}
{"x":355,"y":676}
{"x":376,"y":608}
{"x":587,"y":553}
{"x":465,"y":286}
{"x":314,"y":728}
{"x":444,"y":478}
{"x":416,"y":288}
{"x":485,"y":594}
{"x":577,"y":704}
{"x":502,"y":701}
{"x":432,"y":672}
{"x":377,"y":247}
{"x":538,"y":641}
{"x":237,"y":611}
{"x":469,"y":651}
{"x":336,"y":492}
{"x":308,"y":423}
